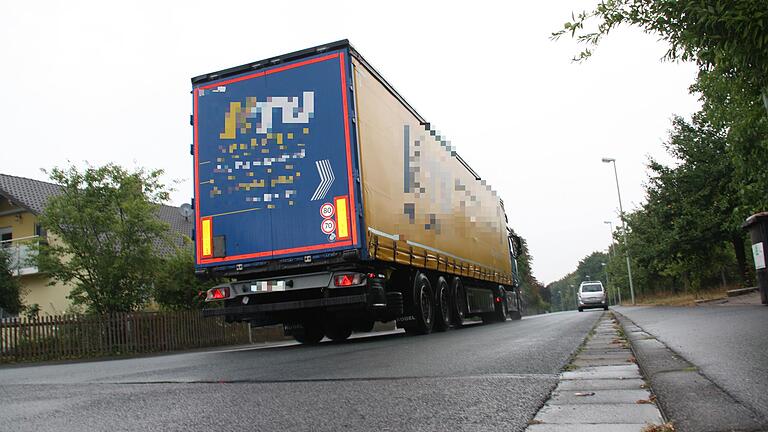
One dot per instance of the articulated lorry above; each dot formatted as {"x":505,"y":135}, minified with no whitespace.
{"x":330,"y":204}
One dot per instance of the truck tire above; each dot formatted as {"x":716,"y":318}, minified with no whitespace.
{"x":443,"y":305}
{"x":517,"y":314}
{"x":458,"y":302}
{"x":423,"y":306}
{"x":363,"y":326}
{"x":338,"y":331}
{"x":500,"y":313}
{"x":312,"y":335}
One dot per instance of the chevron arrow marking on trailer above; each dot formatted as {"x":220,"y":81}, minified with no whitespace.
{"x":326,"y":179}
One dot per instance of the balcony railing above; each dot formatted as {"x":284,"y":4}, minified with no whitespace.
{"x":21,"y":253}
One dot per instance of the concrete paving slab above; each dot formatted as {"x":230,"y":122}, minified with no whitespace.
{"x":600,"y":362}
{"x":620,"y":368}
{"x":603,"y":372}
{"x":605,"y":351}
{"x":603,"y":356}
{"x":599,"y":384}
{"x":614,"y":427}
{"x":628,"y":396}
{"x":612,"y":340}
{"x":604,"y":346}
{"x":599,"y":413}
{"x":604,"y":337}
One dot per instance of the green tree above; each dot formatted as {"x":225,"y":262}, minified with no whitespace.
{"x":685,"y":234}
{"x":529,"y":285}
{"x":729,"y":35}
{"x":10,"y":289}
{"x":176,"y":286}
{"x":591,"y":267}
{"x":730,"y":106}
{"x":104,"y":227}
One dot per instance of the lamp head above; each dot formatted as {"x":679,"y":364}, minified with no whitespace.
{"x":609,"y":160}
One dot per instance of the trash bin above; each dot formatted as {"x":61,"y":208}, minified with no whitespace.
{"x":757,"y":224}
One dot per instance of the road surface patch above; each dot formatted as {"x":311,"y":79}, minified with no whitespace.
{"x":600,"y":390}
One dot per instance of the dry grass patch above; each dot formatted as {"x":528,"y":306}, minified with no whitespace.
{"x":682,"y":298}
{"x":666,"y":427}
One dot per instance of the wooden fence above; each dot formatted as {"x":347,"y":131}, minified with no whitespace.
{"x":82,"y":336}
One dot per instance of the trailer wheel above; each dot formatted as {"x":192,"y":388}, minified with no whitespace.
{"x":338,"y":331}
{"x":500,"y":313}
{"x":458,"y":303}
{"x":423,"y":306}
{"x":364,"y":326}
{"x":443,"y":303}
{"x":312,"y":334}
{"x":518,"y":312}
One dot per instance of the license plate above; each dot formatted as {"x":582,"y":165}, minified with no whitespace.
{"x":268,"y":286}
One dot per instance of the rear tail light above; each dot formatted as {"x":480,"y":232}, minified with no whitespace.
{"x":347,"y":279}
{"x":217,"y":293}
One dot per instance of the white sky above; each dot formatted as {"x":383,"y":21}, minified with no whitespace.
{"x":109,"y":82}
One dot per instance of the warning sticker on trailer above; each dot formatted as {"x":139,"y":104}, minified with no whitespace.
{"x":327,"y":210}
{"x":328,"y":226}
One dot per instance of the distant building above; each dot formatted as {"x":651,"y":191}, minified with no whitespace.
{"x":21,"y":201}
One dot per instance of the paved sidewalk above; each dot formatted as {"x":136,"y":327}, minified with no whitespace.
{"x":602,"y":389}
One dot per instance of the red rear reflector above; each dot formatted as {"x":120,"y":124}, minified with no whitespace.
{"x":498,"y":299}
{"x":217,"y":294}
{"x":348,"y":279}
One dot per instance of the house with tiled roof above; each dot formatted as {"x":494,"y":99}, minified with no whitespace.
{"x":22,"y":200}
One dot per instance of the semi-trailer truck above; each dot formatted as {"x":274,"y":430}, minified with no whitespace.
{"x":329,"y":203}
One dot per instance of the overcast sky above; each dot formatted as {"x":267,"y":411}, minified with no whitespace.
{"x":109,"y":82}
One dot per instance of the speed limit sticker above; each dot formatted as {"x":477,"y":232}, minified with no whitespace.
{"x":327,"y":210}
{"x":328,"y":226}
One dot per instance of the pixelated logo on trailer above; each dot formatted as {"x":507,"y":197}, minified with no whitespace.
{"x":257,"y":150}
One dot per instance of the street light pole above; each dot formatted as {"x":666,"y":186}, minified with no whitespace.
{"x":624,"y":226}
{"x":612,"y":253}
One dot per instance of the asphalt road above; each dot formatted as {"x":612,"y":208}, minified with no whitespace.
{"x":481,"y":377}
{"x":729,"y":344}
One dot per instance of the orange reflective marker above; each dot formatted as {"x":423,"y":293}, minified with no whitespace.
{"x":342,"y":221}
{"x":207,"y":236}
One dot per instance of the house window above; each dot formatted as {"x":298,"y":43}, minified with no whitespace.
{"x":6,"y":235}
{"x":39,"y":230}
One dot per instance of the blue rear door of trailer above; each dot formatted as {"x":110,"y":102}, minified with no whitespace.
{"x":274,"y":158}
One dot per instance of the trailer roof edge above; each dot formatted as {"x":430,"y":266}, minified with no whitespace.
{"x":343,"y":43}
